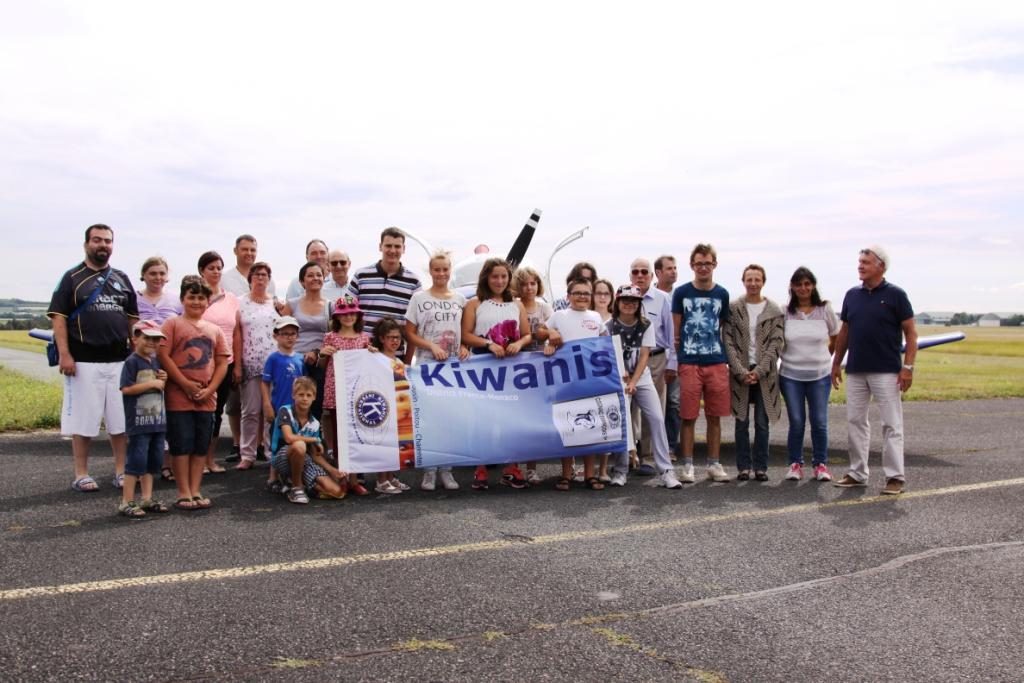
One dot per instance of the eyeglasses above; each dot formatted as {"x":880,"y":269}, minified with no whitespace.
{"x":339,"y":263}
{"x":288,"y":333}
{"x":704,"y":264}
{"x":640,"y":271}
{"x":393,"y":337}
{"x":580,"y":294}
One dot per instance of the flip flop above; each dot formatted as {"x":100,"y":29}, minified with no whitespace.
{"x":185,"y":504}
{"x":166,"y":474}
{"x":85,"y":484}
{"x":202,"y":503}
{"x":216,"y":469}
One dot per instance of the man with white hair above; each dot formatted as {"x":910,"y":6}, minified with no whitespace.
{"x":336,"y":281}
{"x":875,"y":317}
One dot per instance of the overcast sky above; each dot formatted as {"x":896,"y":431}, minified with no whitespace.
{"x":783,"y":133}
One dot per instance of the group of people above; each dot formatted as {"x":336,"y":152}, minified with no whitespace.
{"x":160,"y":371}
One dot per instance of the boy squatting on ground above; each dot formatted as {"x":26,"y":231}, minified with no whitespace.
{"x":142,"y":389}
{"x":299,"y":452}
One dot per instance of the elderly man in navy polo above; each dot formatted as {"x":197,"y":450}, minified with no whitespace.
{"x":876,"y":316}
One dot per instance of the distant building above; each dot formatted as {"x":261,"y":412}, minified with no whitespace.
{"x":934,"y":318}
{"x":990,"y":320}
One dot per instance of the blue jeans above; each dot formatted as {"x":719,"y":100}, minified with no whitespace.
{"x":800,"y":398}
{"x":145,"y":453}
{"x":760,"y":453}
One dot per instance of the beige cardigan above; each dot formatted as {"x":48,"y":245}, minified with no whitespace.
{"x":770,"y":338}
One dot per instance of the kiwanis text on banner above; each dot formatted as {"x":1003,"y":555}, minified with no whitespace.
{"x":480,"y":411}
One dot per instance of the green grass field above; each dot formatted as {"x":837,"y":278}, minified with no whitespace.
{"x":988,"y":364}
{"x":19,"y":339}
{"x":27,"y":403}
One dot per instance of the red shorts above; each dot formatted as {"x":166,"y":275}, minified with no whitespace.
{"x":711,"y":381}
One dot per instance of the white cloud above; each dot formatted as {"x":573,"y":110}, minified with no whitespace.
{"x":794,"y":135}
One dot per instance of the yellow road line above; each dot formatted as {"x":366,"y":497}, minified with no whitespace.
{"x":439,"y":551}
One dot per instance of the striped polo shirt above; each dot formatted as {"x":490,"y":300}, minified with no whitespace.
{"x":382,"y":295}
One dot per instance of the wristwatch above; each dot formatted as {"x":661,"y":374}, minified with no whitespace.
{"x":908,"y":367}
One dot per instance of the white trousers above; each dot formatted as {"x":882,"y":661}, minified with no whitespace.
{"x":253,"y":423}
{"x":649,"y":404}
{"x":656,"y":365}
{"x":885,"y":388}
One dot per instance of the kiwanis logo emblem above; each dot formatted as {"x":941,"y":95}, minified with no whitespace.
{"x":372,"y":409}
{"x":614,"y":419}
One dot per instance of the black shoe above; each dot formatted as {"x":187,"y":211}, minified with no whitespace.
{"x":260,"y":453}
{"x":761,"y":476}
{"x":235,"y":455}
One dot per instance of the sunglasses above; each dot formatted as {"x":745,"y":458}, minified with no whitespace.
{"x":640,"y":271}
{"x":339,"y":263}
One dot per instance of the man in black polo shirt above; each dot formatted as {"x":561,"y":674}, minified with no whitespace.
{"x":93,"y":309}
{"x":876,"y":316}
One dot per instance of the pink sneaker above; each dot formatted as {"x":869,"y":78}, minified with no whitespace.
{"x":821,"y":473}
{"x":796,"y":472}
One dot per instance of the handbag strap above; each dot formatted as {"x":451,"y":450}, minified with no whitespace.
{"x":92,"y":297}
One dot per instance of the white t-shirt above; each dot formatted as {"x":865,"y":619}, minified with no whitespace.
{"x":805,"y":355}
{"x":437,"y":320}
{"x":576,"y":324}
{"x":236,"y":283}
{"x":753,"y":311}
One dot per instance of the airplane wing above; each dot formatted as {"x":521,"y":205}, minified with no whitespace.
{"x":928,"y":342}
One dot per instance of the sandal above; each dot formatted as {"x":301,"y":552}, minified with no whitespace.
{"x":131,"y":509}
{"x":605,"y":479}
{"x":166,"y":474}
{"x":216,"y":469}
{"x":201,"y":502}
{"x":154,"y":506}
{"x":185,"y":504}
{"x":244,"y":465}
{"x":117,"y":481}
{"x":563,"y":484}
{"x":85,"y":484}
{"x":594,"y":484}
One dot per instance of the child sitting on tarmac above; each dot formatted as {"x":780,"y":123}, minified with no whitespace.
{"x":142,"y":388}
{"x":298,"y":450}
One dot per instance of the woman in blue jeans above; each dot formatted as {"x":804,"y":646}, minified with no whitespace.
{"x":810,"y":329}
{"x":752,"y":338}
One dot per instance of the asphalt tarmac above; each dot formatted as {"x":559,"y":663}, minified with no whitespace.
{"x":775,"y":581}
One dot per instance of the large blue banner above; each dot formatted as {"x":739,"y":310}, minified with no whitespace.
{"x":483,"y":410}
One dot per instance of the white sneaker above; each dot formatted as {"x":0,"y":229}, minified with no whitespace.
{"x":688,"y":475}
{"x":618,"y":479}
{"x":385,"y":487}
{"x":577,"y":474}
{"x":429,"y":482}
{"x":532,"y":478}
{"x":796,"y":472}
{"x":397,"y":483}
{"x":669,"y":481}
{"x":717,"y":473}
{"x":448,"y":481}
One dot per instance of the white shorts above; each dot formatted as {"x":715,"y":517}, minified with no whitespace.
{"x":91,"y":395}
